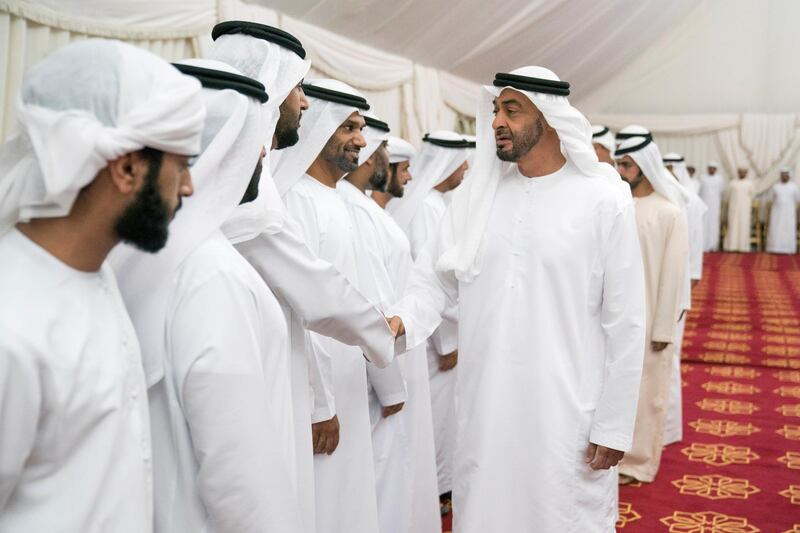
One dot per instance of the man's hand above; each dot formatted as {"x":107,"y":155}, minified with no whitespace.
{"x":325,"y":435}
{"x":659,"y":346}
{"x":602,"y":458}
{"x":390,"y":410}
{"x":396,"y":325}
{"x":448,"y":362}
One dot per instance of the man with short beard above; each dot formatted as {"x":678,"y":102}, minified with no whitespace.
{"x":401,"y":152}
{"x":87,"y":170}
{"x":223,"y":427}
{"x":312,"y":292}
{"x":307,"y":174}
{"x":664,"y":242}
{"x":540,"y":251}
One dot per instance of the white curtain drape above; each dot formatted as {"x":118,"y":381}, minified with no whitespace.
{"x":412,"y":98}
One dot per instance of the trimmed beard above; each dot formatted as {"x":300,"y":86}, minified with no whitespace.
{"x":523,"y":144}
{"x":286,"y":133}
{"x":251,"y":193}
{"x":393,"y":186}
{"x":145,"y":222}
{"x":379,"y":179}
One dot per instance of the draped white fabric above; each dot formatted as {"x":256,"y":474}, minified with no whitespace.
{"x":662,"y":64}
{"x":406,"y":95}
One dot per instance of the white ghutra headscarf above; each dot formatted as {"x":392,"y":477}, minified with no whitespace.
{"x":84,"y":105}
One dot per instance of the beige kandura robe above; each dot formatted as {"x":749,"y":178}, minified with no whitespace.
{"x":740,"y":202}
{"x":664,"y":243}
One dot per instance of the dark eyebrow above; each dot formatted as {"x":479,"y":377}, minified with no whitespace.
{"x":509,"y":101}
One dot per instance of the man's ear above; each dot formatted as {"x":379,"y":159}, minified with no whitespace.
{"x":125,"y":172}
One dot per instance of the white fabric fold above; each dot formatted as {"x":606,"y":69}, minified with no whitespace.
{"x":87,"y":104}
{"x":400,"y":150}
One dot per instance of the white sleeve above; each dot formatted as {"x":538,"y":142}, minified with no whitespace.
{"x":244,"y":479}
{"x":388,"y":383}
{"x":429,"y":293}
{"x":623,"y":321}
{"x":321,"y":296}
{"x":320,"y":376}
{"x":20,"y":409}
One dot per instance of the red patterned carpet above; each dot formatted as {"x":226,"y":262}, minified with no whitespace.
{"x":737,"y":469}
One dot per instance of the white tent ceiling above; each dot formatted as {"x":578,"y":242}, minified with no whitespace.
{"x":622,"y":56}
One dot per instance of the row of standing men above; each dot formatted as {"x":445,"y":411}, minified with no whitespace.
{"x":255,"y":385}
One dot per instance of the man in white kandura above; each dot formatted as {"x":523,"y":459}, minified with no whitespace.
{"x":405,"y":466}
{"x":784,"y":195}
{"x":740,"y":213}
{"x":712,"y":188}
{"x":306,"y":175}
{"x":539,"y":248}
{"x":695,"y":217}
{"x":223,"y":427}
{"x":438,"y":168}
{"x":663,"y":236}
{"x":387,"y":387}
{"x":313,"y":293}
{"x":105,"y":135}
{"x":604,"y":142}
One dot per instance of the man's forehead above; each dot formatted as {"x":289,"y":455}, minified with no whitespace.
{"x":356,"y":118}
{"x":626,"y":158}
{"x":508,"y":95}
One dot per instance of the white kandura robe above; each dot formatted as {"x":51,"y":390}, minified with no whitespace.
{"x":693,"y":186}
{"x":696,"y":212}
{"x":390,"y":263}
{"x":782,"y":238}
{"x":740,"y":210}
{"x":313,"y":295}
{"x":444,"y":341}
{"x":74,"y":428}
{"x":345,"y":480}
{"x":386,"y":385}
{"x":711,"y":191}
{"x":553,"y":363}
{"x":663,"y":239}
{"x":223,"y":431}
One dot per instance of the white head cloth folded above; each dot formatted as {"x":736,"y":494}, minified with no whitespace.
{"x":280,"y":69}
{"x":375,"y":132}
{"x":400,"y":150}
{"x":604,"y":137}
{"x":712,"y":164}
{"x":433,"y":165}
{"x":679,"y":169}
{"x":787,"y":170}
{"x":233,"y":136}
{"x":648,"y":158}
{"x":465,"y":223}
{"x":84,"y":105}
{"x":318,"y":125}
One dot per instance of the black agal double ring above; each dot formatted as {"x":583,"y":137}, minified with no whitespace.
{"x":219,"y":79}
